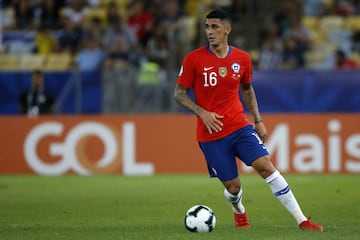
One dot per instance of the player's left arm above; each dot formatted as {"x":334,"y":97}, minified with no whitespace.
{"x":250,"y":101}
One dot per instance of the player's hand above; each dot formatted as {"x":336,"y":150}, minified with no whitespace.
{"x":211,"y":121}
{"x":261,"y":131}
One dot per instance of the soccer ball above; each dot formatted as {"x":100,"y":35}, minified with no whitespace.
{"x":200,"y":218}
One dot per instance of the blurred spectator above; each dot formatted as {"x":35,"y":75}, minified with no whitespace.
{"x":70,"y":38}
{"x":119,"y":29}
{"x":140,"y":20}
{"x":297,"y":40}
{"x":243,"y":7}
{"x":343,"y":62}
{"x":93,"y":3}
{"x":238,"y":8}
{"x":6,"y":22}
{"x":45,"y":41}
{"x":36,"y":8}
{"x":120,"y":57}
{"x":171,"y":17}
{"x":356,"y":41}
{"x":155,"y":7}
{"x":344,"y":8}
{"x":157,"y":47}
{"x":36,"y":100}
{"x":94,"y":30}
{"x":282,"y":17}
{"x":357,"y":6}
{"x":270,"y":54}
{"x":341,"y":38}
{"x":91,"y":57}
{"x":298,"y":32}
{"x":112,"y":13}
{"x":50,"y":13}
{"x":6,"y":3}
{"x":24,"y":15}
{"x":293,"y":56}
{"x":76,"y":11}
{"x":316,"y":8}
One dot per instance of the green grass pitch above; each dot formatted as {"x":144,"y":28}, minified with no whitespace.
{"x":119,"y":207}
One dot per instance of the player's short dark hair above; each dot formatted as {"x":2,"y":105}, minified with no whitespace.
{"x":220,"y":14}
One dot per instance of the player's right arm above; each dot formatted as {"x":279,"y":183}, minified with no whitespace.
{"x":182,"y":97}
{"x":210,"y":119}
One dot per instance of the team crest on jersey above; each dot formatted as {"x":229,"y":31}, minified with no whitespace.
{"x":235,"y":67}
{"x":223,"y":71}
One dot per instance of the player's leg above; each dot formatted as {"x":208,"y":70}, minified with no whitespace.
{"x":282,"y":192}
{"x":252,"y":151}
{"x":279,"y":186}
{"x":221,"y":162}
{"x":233,"y":194}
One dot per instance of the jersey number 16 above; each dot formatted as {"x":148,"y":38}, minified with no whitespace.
{"x":210,"y":79}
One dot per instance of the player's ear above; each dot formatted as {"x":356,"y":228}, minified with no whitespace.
{"x":228,"y":29}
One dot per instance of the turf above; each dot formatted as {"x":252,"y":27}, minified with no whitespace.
{"x":119,"y":207}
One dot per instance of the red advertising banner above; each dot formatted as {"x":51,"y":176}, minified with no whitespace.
{"x":151,"y":144}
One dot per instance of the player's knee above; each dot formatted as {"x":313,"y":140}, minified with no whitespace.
{"x":234,"y":190}
{"x":264,"y":166}
{"x":233,"y":187}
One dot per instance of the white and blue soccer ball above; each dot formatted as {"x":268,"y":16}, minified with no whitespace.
{"x":200,"y":218}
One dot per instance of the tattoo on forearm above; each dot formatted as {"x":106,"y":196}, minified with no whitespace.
{"x":251,"y":102}
{"x":182,"y":97}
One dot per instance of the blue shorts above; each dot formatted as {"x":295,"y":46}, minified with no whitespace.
{"x":221,"y":154}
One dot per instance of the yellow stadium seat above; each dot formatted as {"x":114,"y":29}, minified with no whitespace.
{"x":188,"y":26}
{"x":330,"y":23}
{"x":99,"y":12}
{"x":191,"y":8}
{"x":318,"y":37}
{"x":326,"y":47}
{"x":8,"y":62}
{"x":255,"y":54}
{"x":58,"y":62}
{"x":10,"y":13}
{"x":314,"y":57}
{"x":352,"y":22}
{"x":118,"y":2}
{"x":31,"y":62}
{"x":356,"y":57}
{"x":122,"y":5}
{"x":312,"y":23}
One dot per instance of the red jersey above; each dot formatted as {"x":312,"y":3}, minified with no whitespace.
{"x":138,"y":22}
{"x":347,"y":64}
{"x":215,"y":82}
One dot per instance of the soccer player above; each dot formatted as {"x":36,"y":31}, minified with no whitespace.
{"x":215,"y":72}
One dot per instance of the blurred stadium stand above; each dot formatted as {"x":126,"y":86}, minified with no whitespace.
{"x":329,"y":32}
